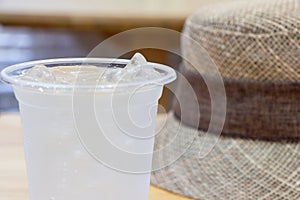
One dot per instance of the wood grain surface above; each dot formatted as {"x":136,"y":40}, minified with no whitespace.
{"x":13,"y":180}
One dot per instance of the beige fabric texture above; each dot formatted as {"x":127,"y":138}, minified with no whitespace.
{"x":250,"y":42}
{"x":234,"y":169}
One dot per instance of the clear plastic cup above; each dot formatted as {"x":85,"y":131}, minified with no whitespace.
{"x":88,"y":141}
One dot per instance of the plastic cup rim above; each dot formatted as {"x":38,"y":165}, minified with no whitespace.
{"x":12,"y":80}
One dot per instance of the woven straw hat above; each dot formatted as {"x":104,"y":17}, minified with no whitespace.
{"x":256,"y":48}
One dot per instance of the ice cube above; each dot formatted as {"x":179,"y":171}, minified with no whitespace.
{"x":135,"y":71}
{"x":137,"y":60}
{"x":39,"y":73}
{"x":112,"y":75}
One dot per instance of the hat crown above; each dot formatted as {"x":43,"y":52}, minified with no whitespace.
{"x":249,"y":41}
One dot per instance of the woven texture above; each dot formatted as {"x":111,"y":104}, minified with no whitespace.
{"x":256,"y":46}
{"x":234,"y":169}
{"x":249,"y":41}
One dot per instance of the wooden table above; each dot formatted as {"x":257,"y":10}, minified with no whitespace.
{"x":13,"y":181}
{"x":112,"y":14}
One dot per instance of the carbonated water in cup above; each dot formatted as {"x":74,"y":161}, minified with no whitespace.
{"x":88,"y":125}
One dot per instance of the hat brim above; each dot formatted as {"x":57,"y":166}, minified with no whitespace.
{"x":235,"y":168}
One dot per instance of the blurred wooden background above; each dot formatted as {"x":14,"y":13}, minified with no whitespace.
{"x":40,"y":29}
